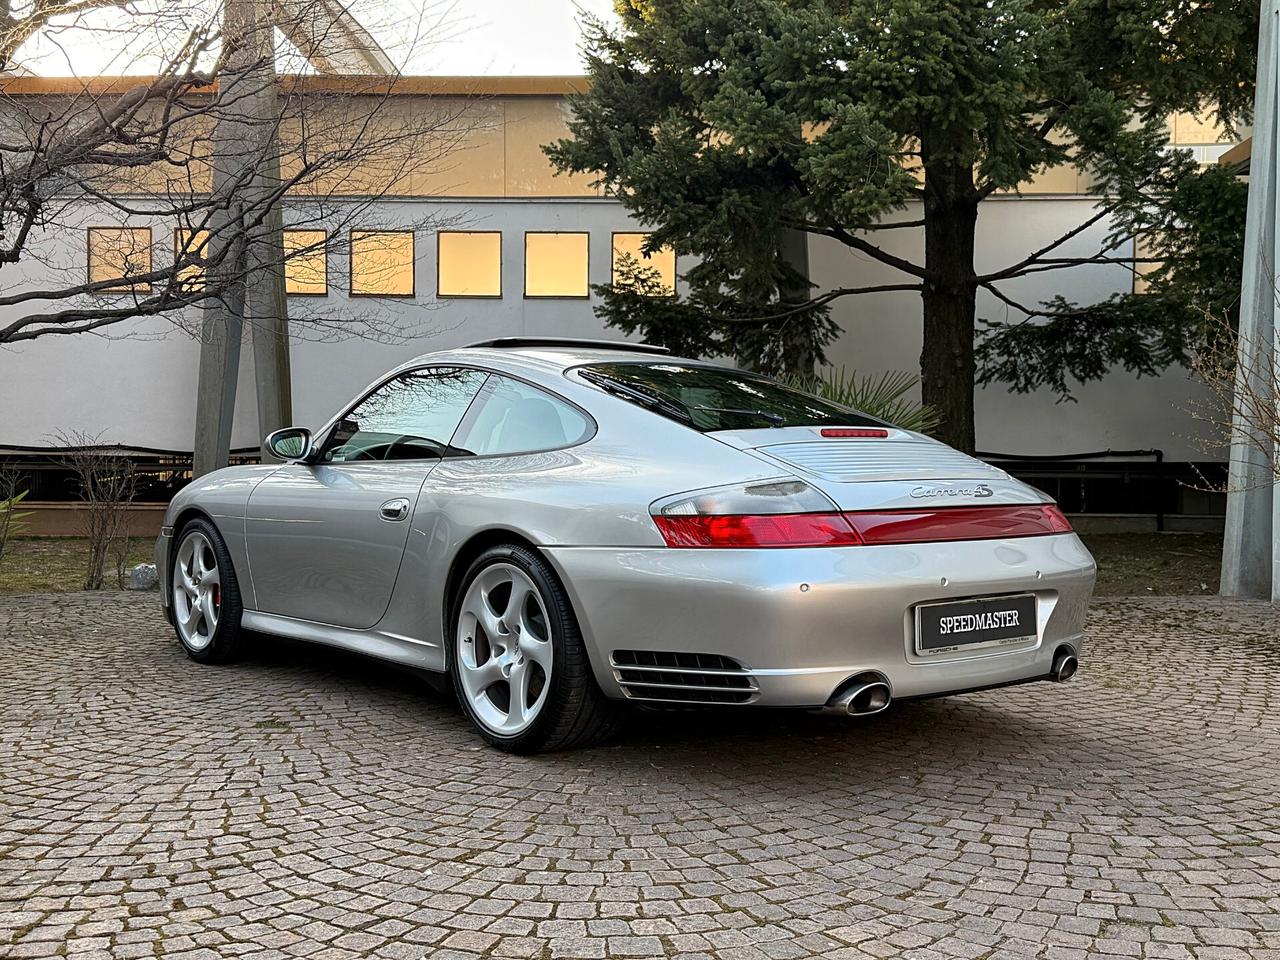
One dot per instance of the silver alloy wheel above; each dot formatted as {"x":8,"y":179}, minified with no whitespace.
{"x":504,"y":649}
{"x":197,"y":590}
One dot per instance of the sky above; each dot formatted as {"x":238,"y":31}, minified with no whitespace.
{"x":433,"y":37}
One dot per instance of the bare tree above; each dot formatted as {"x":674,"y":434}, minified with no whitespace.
{"x":1244,"y":394}
{"x":133,"y":153}
{"x":106,"y":483}
{"x":12,"y":520}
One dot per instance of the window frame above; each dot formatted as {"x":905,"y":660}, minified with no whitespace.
{"x":471,"y":296}
{"x":556,"y":296}
{"x":325,"y":252}
{"x":351,"y":273}
{"x":125,"y":289}
{"x":613,"y":270}
{"x":324,"y":433}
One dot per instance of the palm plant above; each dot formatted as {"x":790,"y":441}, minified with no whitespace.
{"x":883,"y":395}
{"x":12,"y":521}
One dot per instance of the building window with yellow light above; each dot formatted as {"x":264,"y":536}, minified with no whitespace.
{"x":306,"y":269}
{"x":117,"y":255}
{"x":382,"y":263}
{"x":555,"y":264}
{"x":648,"y":273}
{"x":469,"y":263}
{"x":188,"y":246}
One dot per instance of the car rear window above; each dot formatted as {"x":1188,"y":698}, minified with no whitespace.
{"x":719,"y":398}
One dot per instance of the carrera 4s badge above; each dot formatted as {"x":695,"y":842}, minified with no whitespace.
{"x":979,"y":491}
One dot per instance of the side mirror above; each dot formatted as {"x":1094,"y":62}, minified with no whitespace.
{"x":291,"y":443}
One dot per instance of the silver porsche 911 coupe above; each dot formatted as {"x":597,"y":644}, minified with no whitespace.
{"x":564,"y":527}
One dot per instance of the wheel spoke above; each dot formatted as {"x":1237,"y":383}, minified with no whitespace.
{"x":186,"y":561}
{"x":478,"y":607}
{"x":189,"y":619}
{"x":516,"y":600}
{"x":486,"y":674}
{"x":209,"y":613}
{"x":518,"y":708}
{"x":539,"y":651}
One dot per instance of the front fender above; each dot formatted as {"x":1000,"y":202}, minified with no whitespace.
{"x":220,"y":497}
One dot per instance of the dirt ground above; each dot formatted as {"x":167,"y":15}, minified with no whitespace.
{"x":1156,"y":564}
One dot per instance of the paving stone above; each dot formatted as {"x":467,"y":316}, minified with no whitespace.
{"x":307,"y":803}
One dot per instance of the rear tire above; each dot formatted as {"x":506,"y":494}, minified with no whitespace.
{"x":517,"y":659}
{"x":204,"y":594}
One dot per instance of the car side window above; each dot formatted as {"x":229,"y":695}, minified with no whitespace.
{"x":511,"y":417}
{"x":411,"y":417}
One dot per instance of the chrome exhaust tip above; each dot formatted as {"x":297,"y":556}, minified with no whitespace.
{"x":860,"y":696}
{"x":1064,"y":666}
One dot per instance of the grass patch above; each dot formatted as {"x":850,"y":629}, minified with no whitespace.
{"x":56,"y":564}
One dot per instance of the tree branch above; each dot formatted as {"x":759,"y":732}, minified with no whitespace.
{"x":1038,"y":255}
{"x":875,"y":253}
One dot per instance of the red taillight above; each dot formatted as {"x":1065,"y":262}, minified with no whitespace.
{"x":872,"y":527}
{"x":958,"y":523}
{"x":862,"y":433}
{"x":769,"y":530}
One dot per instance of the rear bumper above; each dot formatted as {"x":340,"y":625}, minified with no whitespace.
{"x":801,"y":621}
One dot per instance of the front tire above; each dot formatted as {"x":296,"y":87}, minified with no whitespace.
{"x":204,"y":594}
{"x":517,"y":659}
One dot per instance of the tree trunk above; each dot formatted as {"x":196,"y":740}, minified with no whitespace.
{"x":946,"y":360}
{"x":798,"y":352}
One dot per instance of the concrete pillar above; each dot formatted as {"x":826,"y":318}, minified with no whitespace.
{"x":1250,"y":560}
{"x":245,"y":247}
{"x":267,"y":310}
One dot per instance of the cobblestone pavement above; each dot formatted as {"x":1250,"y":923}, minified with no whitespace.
{"x":307,"y":803}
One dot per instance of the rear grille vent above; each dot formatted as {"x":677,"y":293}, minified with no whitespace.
{"x":669,"y":677}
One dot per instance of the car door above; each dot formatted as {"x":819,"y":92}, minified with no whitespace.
{"x":326,"y":538}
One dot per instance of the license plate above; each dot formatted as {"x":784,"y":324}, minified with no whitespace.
{"x":975,"y":624}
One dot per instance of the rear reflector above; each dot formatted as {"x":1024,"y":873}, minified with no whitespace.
{"x":862,"y":433}
{"x":876,"y":527}
{"x":769,"y":530}
{"x":958,"y":523}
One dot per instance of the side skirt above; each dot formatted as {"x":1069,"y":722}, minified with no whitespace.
{"x":407,"y":651}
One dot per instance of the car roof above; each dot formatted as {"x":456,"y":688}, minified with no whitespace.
{"x":549,"y":356}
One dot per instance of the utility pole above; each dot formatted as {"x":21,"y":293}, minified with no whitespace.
{"x":1250,"y":555}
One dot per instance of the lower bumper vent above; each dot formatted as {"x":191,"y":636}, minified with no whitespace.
{"x":662,"y":677}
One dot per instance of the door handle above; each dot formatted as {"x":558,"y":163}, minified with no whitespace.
{"x":396,"y":509}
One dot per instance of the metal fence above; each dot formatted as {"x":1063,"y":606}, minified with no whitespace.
{"x":43,"y":471}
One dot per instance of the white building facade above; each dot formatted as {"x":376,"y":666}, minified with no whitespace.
{"x":498,"y":195}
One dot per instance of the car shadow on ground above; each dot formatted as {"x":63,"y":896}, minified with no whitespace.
{"x":731,"y":742}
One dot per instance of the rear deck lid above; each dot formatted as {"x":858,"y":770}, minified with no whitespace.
{"x":900,"y":470}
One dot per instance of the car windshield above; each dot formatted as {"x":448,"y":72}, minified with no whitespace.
{"x":718,"y":398}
